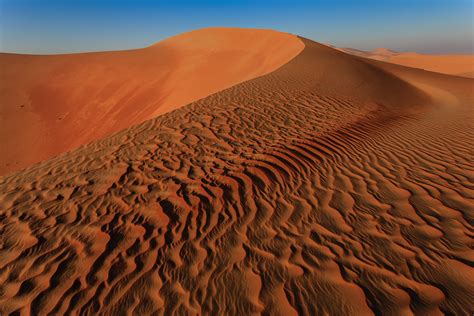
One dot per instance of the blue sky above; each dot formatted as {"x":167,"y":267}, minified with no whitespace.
{"x":59,"y":26}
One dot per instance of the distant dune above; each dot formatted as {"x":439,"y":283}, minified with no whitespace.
{"x":459,"y":65}
{"x":333,"y":185}
{"x":52,"y":104}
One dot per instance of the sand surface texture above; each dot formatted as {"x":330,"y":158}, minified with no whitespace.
{"x":334,"y":185}
{"x":459,"y":65}
{"x":52,"y":104}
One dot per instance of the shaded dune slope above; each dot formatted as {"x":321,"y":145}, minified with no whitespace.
{"x":52,"y":104}
{"x":333,"y":185}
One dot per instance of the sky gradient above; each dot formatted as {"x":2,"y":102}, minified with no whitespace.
{"x":62,"y":26}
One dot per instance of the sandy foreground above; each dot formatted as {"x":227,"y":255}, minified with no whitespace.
{"x":334,"y":184}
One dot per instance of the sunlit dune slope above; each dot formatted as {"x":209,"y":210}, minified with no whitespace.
{"x":334,"y":185}
{"x":459,"y":65}
{"x":51,"y":104}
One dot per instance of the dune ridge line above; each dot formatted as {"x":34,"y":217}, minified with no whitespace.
{"x":55,"y":103}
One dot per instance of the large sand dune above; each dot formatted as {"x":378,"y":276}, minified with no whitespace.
{"x":52,"y":104}
{"x":334,"y":185}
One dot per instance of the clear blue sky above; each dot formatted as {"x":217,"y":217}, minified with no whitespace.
{"x":58,"y":26}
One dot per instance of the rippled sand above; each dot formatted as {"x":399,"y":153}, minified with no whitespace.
{"x":333,"y":185}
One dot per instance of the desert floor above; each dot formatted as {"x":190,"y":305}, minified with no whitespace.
{"x":334,"y":184}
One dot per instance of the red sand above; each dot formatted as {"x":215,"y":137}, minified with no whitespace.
{"x":334,"y":185}
{"x":52,"y":104}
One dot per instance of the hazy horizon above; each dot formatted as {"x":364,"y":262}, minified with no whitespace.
{"x":55,"y":27}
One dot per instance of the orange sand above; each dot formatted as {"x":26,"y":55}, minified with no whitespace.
{"x":459,"y":65}
{"x":52,"y":104}
{"x":334,"y":185}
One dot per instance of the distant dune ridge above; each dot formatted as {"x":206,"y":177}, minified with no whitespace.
{"x":459,"y":65}
{"x":331,"y":185}
{"x":52,"y":104}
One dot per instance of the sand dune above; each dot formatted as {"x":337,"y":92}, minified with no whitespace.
{"x":333,"y":185}
{"x":52,"y":104}
{"x":459,"y":65}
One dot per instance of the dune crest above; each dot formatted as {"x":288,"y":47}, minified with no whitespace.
{"x":335,"y":185}
{"x":54,"y":103}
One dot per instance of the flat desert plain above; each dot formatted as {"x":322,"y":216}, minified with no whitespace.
{"x":234,"y":172}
